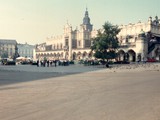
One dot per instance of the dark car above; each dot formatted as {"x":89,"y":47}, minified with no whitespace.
{"x":121,"y":62}
{"x":7,"y":61}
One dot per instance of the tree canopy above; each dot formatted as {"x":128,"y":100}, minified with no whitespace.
{"x":106,"y":43}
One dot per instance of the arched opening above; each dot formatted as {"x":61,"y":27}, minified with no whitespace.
{"x":90,"y":55}
{"x":84,"y":55}
{"x":139,"y":57}
{"x":126,"y":57}
{"x":57,"y":46}
{"x":157,"y":54}
{"x":58,"y":55}
{"x":121,"y":55}
{"x":61,"y":55}
{"x":66,"y":55}
{"x":51,"y":54}
{"x":47,"y":55}
{"x":132,"y":56}
{"x":74,"y":56}
{"x":54,"y":55}
{"x":37,"y":56}
{"x":79,"y":55}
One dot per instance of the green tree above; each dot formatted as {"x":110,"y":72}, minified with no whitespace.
{"x":105,"y":45}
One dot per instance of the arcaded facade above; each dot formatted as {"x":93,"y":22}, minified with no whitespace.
{"x":138,"y":42}
{"x":73,"y":44}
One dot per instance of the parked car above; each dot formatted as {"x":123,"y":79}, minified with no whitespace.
{"x":7,"y":61}
{"x":151,"y":60}
{"x":121,"y":62}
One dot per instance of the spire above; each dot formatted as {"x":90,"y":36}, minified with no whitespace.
{"x":86,"y":13}
{"x":86,"y":8}
{"x":86,"y":19}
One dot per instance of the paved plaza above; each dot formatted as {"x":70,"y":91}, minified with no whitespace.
{"x":77,"y":92}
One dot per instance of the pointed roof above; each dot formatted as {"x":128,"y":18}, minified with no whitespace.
{"x":86,"y":19}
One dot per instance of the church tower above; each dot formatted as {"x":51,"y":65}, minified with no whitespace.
{"x":85,"y":32}
{"x":86,"y":22}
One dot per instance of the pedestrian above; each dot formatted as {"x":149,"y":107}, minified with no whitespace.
{"x":50,"y":63}
{"x":41,"y":63}
{"x":37,"y":63}
{"x":47,"y":63}
{"x":55,"y":63}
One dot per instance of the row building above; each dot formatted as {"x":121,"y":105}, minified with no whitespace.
{"x":8,"y":48}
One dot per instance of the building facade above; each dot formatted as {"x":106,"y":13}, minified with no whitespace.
{"x":8,"y":48}
{"x":26,"y":50}
{"x":73,"y":44}
{"x":138,"y":42}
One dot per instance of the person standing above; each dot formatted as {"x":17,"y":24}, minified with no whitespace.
{"x":37,"y":63}
{"x":55,"y":63}
{"x":47,"y":63}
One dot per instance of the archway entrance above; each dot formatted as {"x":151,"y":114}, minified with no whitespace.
{"x":157,"y":54}
{"x":121,"y":55}
{"x":132,"y":56}
{"x":79,"y":55}
{"x":84,"y":55}
{"x":74,"y":56}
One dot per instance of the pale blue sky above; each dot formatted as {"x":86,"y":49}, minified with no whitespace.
{"x":32,"y":21}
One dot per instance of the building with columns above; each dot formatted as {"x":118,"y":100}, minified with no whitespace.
{"x":138,"y":42}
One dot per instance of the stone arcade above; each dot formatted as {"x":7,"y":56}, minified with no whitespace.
{"x":138,"y":42}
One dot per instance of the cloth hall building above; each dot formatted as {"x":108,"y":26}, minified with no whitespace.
{"x":73,"y":44}
{"x":138,"y":42}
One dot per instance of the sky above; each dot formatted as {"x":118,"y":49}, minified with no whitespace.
{"x":32,"y":21}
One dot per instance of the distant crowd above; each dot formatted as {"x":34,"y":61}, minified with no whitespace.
{"x":52,"y":63}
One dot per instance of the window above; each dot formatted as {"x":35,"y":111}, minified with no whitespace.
{"x":61,"y":46}
{"x":66,"y":42}
{"x":79,"y":43}
{"x":126,"y":40}
{"x":57,"y":46}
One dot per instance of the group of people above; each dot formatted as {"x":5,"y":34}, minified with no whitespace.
{"x":46,"y":63}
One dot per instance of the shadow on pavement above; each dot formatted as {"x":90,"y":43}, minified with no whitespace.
{"x":13,"y":76}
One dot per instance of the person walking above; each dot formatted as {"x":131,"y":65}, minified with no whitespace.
{"x":37,"y":63}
